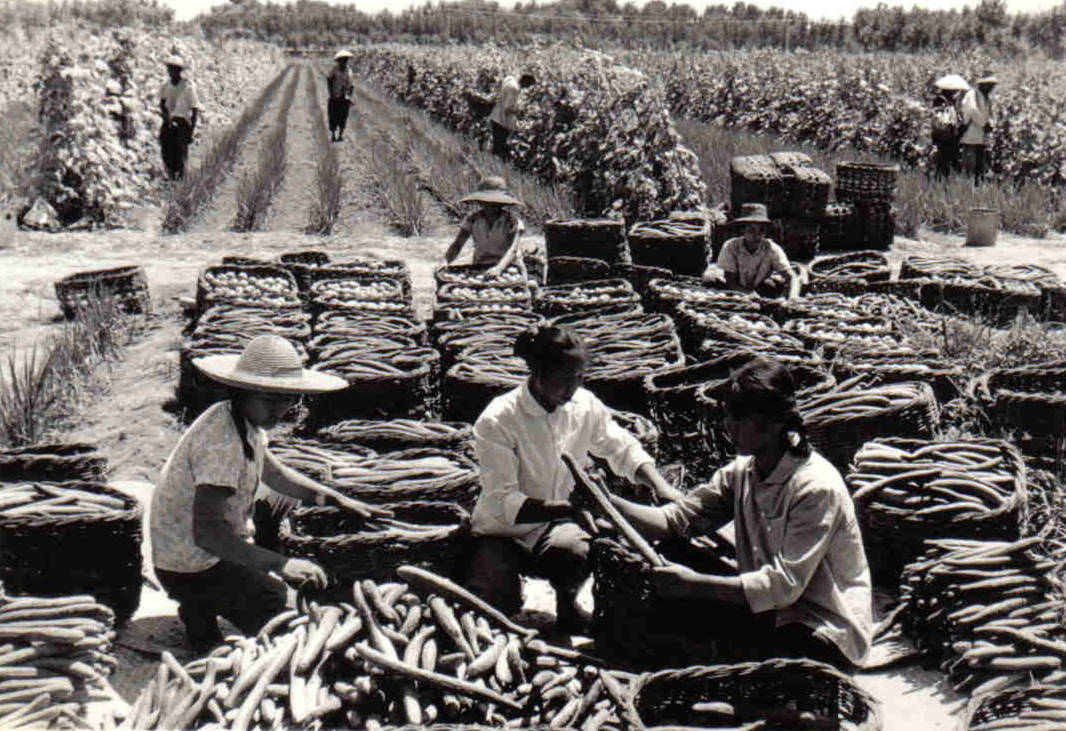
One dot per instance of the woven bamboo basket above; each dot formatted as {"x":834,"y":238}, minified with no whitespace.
{"x":474,"y":275}
{"x":468,"y":387}
{"x":301,"y":264}
{"x":849,"y":274}
{"x":354,"y":322}
{"x":698,"y":323}
{"x":456,"y":311}
{"x":397,"y":434}
{"x":639,"y":276}
{"x":682,"y":247}
{"x":53,"y":463}
{"x":1030,"y":401}
{"x":367,"y":269}
{"x":833,"y":338}
{"x":665,"y":294}
{"x":894,"y":536}
{"x":1000,"y":303}
{"x":509,"y":322}
{"x":241,"y":261}
{"x":839,"y":228}
{"x":429,"y":534}
{"x":570,"y":269}
{"x":806,"y":189}
{"x":460,"y":486}
{"x":565,"y":299}
{"x":800,"y":238}
{"x":127,"y":285}
{"x":628,"y":617}
{"x":93,"y":553}
{"x":948,"y":380}
{"x":469,"y":293}
{"x":866,"y":181}
{"x":261,"y":285}
{"x":413,"y":393}
{"x":1024,"y":708}
{"x":838,"y":435}
{"x":762,"y":693}
{"x":596,"y":238}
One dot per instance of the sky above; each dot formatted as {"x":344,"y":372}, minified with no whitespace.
{"x":831,"y":9}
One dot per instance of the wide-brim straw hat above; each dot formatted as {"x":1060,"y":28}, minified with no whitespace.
{"x":492,"y":189}
{"x":952,"y":82}
{"x":268,"y":363}
{"x":174,"y":60}
{"x":753,"y":213}
{"x":342,"y":54}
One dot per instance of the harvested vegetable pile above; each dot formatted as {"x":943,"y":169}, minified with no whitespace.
{"x":413,"y":652}
{"x":53,"y":653}
{"x":265,"y":286}
{"x":586,"y":297}
{"x":986,"y":612}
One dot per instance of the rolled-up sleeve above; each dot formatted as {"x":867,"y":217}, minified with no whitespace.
{"x":809,"y":528}
{"x":614,"y":444}
{"x":498,"y":461}
{"x":727,"y":258}
{"x":779,"y":259}
{"x":703,"y":510}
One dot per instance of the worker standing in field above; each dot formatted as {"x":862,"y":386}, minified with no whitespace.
{"x":504,"y":115}
{"x":494,"y":227}
{"x":946,"y":132}
{"x":978,"y":119}
{"x":341,"y":84}
{"x":180,"y":107}
{"x":753,"y":262}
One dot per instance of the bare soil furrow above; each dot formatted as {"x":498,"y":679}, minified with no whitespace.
{"x":292,"y":204}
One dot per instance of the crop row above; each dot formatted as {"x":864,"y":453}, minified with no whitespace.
{"x":602,"y":130}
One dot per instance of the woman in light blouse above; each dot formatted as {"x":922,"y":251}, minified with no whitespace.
{"x":803,"y":583}
{"x":523,"y":517}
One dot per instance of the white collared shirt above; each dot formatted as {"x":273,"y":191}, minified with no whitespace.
{"x":752,"y":267}
{"x":976,"y":113}
{"x":799,"y":549}
{"x":519,"y":447}
{"x":180,"y":98}
{"x":505,"y":111}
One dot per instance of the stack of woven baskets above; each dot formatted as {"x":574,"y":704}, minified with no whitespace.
{"x":1028,"y":402}
{"x":127,"y":286}
{"x":63,"y":531}
{"x":955,"y":285}
{"x":870,"y":188}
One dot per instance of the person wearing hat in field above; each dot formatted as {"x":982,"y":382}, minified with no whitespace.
{"x":340,"y":84}
{"x":753,"y":262}
{"x":494,"y":227}
{"x":180,"y":107}
{"x":977,"y":120}
{"x":504,"y":114}
{"x":199,"y":518}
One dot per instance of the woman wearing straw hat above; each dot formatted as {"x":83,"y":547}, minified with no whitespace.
{"x":753,"y":262}
{"x":200,"y":511}
{"x":180,"y":107}
{"x":494,"y":227}
{"x":340,"y":84}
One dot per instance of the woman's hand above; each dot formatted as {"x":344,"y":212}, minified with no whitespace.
{"x":675,"y":580}
{"x":493,"y":272}
{"x":300,"y":572}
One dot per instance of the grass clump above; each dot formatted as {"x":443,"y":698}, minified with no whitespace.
{"x":189,"y":195}
{"x":41,"y":385}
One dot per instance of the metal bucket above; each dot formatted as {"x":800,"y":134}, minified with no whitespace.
{"x":981,"y":227}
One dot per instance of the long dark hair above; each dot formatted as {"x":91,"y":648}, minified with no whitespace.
{"x":765,"y":386}
{"x":237,"y":396}
{"x":542,"y":347}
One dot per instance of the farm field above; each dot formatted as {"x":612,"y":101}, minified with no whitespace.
{"x":401,"y":171}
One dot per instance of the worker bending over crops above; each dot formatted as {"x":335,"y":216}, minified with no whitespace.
{"x":199,"y":514}
{"x":803,"y":584}
{"x":753,"y":262}
{"x":494,"y":227}
{"x":523,"y":518}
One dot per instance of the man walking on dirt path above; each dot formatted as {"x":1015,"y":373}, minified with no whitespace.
{"x":504,"y":115}
{"x":341,"y":86}
{"x":180,"y":107}
{"x":977,"y":119}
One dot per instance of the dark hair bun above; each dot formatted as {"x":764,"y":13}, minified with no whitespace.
{"x":546,"y":346}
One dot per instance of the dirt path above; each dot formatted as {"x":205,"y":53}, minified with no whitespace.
{"x":292,"y":204}
{"x":219,"y":216}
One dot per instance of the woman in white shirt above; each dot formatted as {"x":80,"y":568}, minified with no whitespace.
{"x":523,"y":516}
{"x":201,"y":546}
{"x":803,"y":583}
